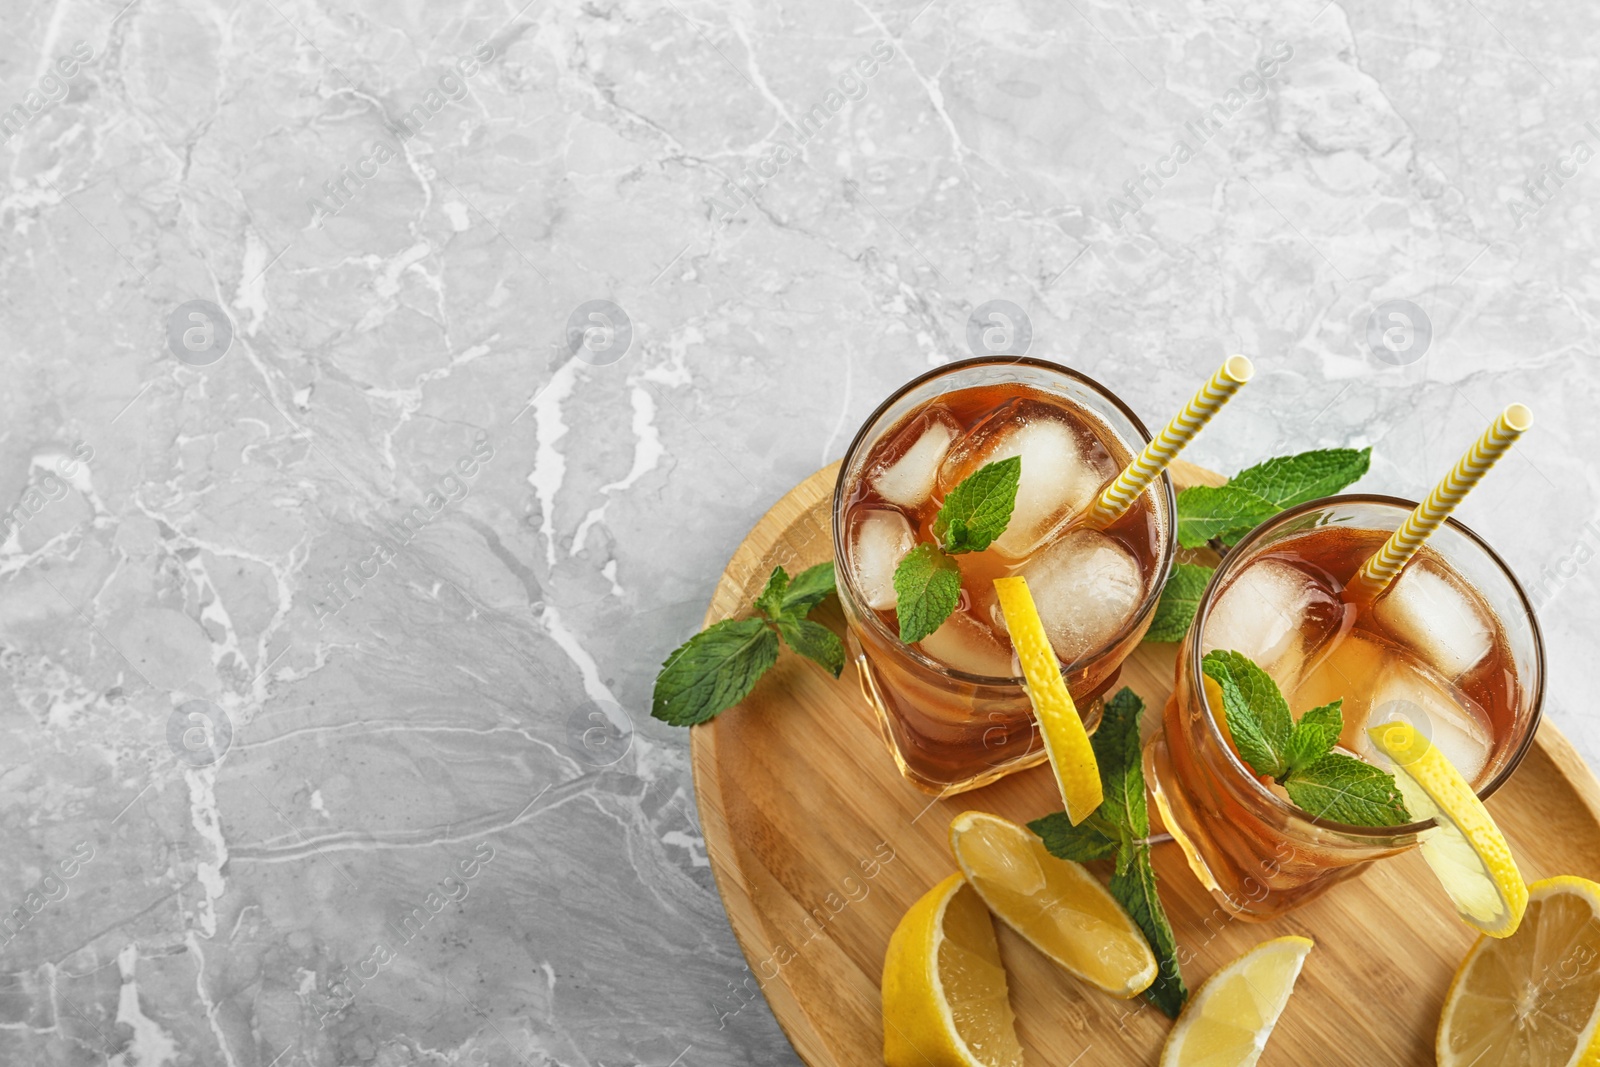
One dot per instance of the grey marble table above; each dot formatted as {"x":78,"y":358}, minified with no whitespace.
{"x":386,"y":384}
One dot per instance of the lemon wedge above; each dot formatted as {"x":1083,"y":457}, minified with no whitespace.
{"x":1066,"y":742}
{"x":1057,"y":905}
{"x":944,"y":989}
{"x":1532,"y":999}
{"x":1467,"y":851}
{"x":1227,"y":1023}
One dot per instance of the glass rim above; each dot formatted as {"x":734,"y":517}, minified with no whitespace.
{"x":1241,"y":551}
{"x":1152,"y":597}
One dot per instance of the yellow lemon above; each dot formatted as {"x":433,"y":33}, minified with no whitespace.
{"x":1056,"y":904}
{"x":1531,"y":999}
{"x":944,"y":989}
{"x":1066,"y":742}
{"x":1227,"y":1023}
{"x":1467,"y":852}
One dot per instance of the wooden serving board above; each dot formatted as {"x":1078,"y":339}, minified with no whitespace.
{"x":819,"y":846}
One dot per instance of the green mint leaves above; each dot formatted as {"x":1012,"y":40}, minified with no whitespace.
{"x":1290,"y":480}
{"x":977,"y":510}
{"x":1180,"y":599}
{"x":713,"y":670}
{"x":928,"y":583}
{"x":1299,"y":755}
{"x":1225,"y":513}
{"x":1344,"y":789}
{"x":1120,"y":829}
{"x":1258,"y":716}
{"x":1314,"y":736}
{"x":809,"y":588}
{"x":1228,"y":512}
{"x":717,"y":667}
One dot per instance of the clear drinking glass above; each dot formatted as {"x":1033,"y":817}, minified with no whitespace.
{"x":949,"y":730}
{"x":1258,"y":854}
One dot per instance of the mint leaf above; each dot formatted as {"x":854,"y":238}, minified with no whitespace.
{"x":1258,"y":716}
{"x":928,"y":583}
{"x":717,"y":667}
{"x":1120,"y":756}
{"x":1084,"y":843}
{"x":713,"y":670}
{"x":1345,"y":789}
{"x":1121,"y":827}
{"x":814,"y":641}
{"x":1257,"y":493}
{"x":808,"y":589}
{"x":1299,"y":755}
{"x":1207,"y":511}
{"x":1133,"y":883}
{"x":1180,"y":599}
{"x":1290,"y":480}
{"x":1314,"y":736}
{"x":978,"y":509}
{"x":770,"y":602}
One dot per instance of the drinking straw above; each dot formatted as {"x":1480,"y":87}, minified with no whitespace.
{"x":1148,"y":465}
{"x":1381,"y":569}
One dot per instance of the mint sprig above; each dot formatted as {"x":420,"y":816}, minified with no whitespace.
{"x":1222,"y":511}
{"x":717,"y":667}
{"x":927,"y":583}
{"x":1258,"y":716}
{"x":808,"y":589}
{"x":1220,"y":515}
{"x":1299,"y":755}
{"x":1289,"y":480}
{"x":1228,"y":512}
{"x":1120,"y":829}
{"x":1180,"y":599}
{"x":978,"y":509}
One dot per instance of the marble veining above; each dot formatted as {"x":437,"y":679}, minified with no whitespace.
{"x":386,"y":385}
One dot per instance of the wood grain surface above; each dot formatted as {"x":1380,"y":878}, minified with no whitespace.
{"x":819,"y":846}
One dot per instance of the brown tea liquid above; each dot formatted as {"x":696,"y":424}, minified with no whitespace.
{"x":953,"y":704}
{"x":1429,"y":650}
{"x":1138,"y":531}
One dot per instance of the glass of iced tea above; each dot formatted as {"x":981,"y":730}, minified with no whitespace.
{"x":952,"y":706}
{"x":1451,"y":646}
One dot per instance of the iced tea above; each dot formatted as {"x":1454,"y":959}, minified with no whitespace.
{"x":952,"y":705}
{"x":1451,"y":647}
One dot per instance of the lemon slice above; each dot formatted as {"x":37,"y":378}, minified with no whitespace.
{"x":944,"y":990}
{"x":1227,"y":1023}
{"x":1532,"y":999}
{"x":1467,"y":851}
{"x":1056,"y":904}
{"x":1066,"y":742}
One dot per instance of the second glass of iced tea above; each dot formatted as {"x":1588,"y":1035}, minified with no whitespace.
{"x":1451,"y":646}
{"x":952,"y":706}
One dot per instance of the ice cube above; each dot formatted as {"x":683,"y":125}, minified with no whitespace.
{"x":909,"y":480}
{"x":1275,"y":614}
{"x":1380,"y":683}
{"x":881,"y":538}
{"x":1063,"y":467}
{"x":968,"y":645}
{"x":1408,"y":691}
{"x":1347,"y":672}
{"x":1434,"y":614}
{"x":1086,"y":587}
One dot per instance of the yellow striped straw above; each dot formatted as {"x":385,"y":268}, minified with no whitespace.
{"x":1148,"y":465}
{"x":1376,"y":574}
